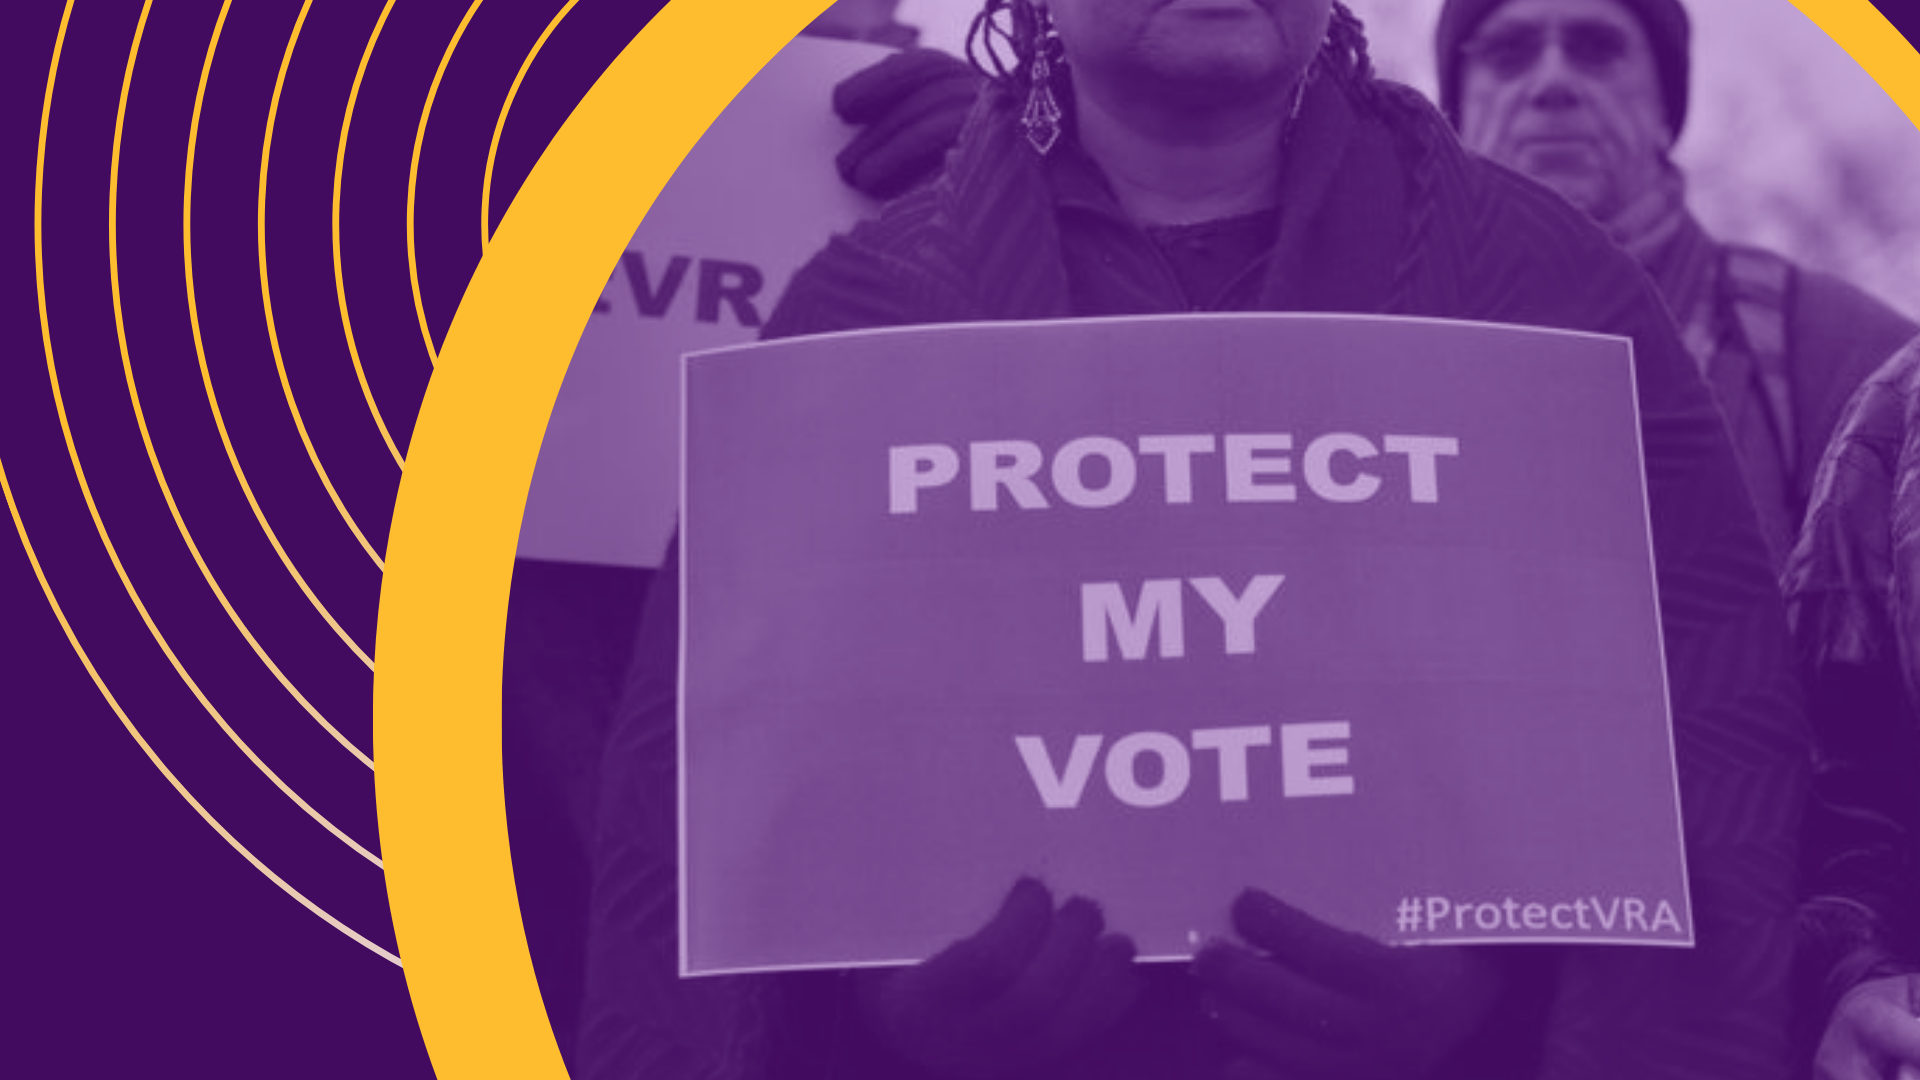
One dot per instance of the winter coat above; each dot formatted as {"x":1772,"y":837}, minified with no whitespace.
{"x":1783,"y":348}
{"x":1853,"y":595}
{"x":1381,"y":211}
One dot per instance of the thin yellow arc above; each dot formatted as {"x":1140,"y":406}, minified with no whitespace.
{"x":500,"y":124}
{"x":206,"y":373}
{"x":339,"y":274}
{"x":73,"y":453}
{"x":153,"y":457}
{"x":79,"y":473}
{"x":100,"y":684}
{"x":413,"y":179}
{"x":266,"y":295}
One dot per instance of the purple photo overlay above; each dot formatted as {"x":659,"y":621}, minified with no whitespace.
{"x":1159,"y":609}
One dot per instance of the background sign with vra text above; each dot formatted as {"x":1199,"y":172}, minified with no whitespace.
{"x":1359,"y":611}
{"x":752,"y":201}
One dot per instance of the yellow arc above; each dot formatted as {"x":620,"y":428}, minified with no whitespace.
{"x":413,"y":179}
{"x":20,"y":527}
{"x":266,"y":295}
{"x":443,"y":605}
{"x":1858,"y":27}
{"x":339,"y":270}
{"x":200,"y":351}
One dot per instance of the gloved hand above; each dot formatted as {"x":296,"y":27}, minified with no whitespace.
{"x":910,"y":107}
{"x":1322,"y":1002}
{"x":1033,"y":986}
{"x":1874,"y":1033}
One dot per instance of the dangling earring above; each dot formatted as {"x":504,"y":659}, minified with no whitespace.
{"x":1041,"y":118}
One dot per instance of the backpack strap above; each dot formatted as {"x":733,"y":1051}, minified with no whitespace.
{"x":1756,"y":288}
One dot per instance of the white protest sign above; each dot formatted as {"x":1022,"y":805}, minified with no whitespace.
{"x":753,"y":201}
{"x":1157,"y":609}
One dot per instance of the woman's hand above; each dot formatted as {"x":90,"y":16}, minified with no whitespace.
{"x":1317,"y":1001}
{"x":1873,"y":1033}
{"x":1033,"y":986}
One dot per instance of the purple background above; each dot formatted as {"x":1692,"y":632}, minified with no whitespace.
{"x":854,"y":678}
{"x":141,"y":939}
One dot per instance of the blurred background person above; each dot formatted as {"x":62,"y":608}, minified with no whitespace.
{"x":1588,"y":97}
{"x":1853,"y":592}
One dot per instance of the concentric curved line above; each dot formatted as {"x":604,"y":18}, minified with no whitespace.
{"x":500,"y":125}
{"x":46,"y":340}
{"x":153,"y":457}
{"x":86,"y":491}
{"x":413,"y":178}
{"x":266,"y":295}
{"x":86,"y":661}
{"x":339,"y":274}
{"x":73,"y":451}
{"x":200,"y":349}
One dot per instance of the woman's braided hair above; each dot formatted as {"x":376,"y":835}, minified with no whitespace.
{"x":1006,"y":34}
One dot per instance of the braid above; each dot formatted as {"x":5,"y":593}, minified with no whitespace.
{"x":1345,"y":55}
{"x":1015,"y":26}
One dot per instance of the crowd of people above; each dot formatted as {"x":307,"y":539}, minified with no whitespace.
{"x":1156,"y":156}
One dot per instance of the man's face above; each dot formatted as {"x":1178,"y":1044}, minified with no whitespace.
{"x":1191,"y":50}
{"x":1566,"y":92}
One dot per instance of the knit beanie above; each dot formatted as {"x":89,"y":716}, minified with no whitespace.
{"x":1663,"y":21}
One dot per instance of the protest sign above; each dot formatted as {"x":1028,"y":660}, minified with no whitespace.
{"x":704,"y":270}
{"x":1356,"y":610}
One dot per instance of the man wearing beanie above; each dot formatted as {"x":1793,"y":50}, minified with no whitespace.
{"x":1588,"y":97}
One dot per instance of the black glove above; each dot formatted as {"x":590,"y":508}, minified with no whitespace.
{"x":1033,"y":986}
{"x":1326,"y":1003}
{"x":910,"y":107}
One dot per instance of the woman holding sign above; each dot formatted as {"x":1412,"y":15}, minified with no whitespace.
{"x":1159,"y":156}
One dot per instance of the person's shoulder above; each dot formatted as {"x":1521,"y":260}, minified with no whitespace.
{"x":1520,"y":206}
{"x":946,"y":251}
{"x":1887,"y":403}
{"x":907,"y":227}
{"x":1489,"y":243}
{"x":1833,"y":311}
{"x":883,"y":272}
{"x":1850,"y":527}
{"x":1408,"y":112}
{"x":1473,"y":191}
{"x":1835,"y":333}
{"x":887,"y":270}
